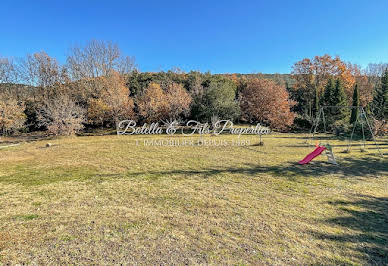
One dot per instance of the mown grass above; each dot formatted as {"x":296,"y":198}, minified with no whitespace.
{"x":104,"y":200}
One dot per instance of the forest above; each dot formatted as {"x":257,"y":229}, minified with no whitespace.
{"x":98,"y":86}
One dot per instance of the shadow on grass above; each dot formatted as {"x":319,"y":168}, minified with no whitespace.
{"x":366,"y":220}
{"x":353,"y":145}
{"x":343,"y":148}
{"x":307,"y":137}
{"x":351,"y":168}
{"x":26,"y":138}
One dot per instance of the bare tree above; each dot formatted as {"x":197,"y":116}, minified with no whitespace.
{"x":90,"y":63}
{"x":41,"y":70}
{"x":11,"y":78}
{"x":127,"y":65}
{"x":8,"y":71}
{"x":96,"y":59}
{"x":376,"y":70}
{"x":61,"y":115}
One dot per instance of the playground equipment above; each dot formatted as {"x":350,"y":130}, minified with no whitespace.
{"x":312,"y":155}
{"x":361,"y":119}
{"x":330,"y":155}
{"x":318,"y":151}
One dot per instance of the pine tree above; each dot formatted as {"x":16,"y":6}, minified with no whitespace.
{"x":328,"y":100}
{"x":385,"y":90}
{"x":339,"y":99}
{"x":380,"y":101}
{"x":328,"y":94}
{"x":356,"y":102}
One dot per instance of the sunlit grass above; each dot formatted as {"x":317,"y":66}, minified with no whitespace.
{"x":107,"y":200}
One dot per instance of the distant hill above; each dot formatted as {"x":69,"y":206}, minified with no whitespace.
{"x":280,"y":78}
{"x":285,"y":79}
{"x":4,"y":87}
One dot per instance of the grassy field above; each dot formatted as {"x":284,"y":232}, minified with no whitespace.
{"x":106,"y":200}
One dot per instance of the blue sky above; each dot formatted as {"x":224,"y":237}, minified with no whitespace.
{"x":220,"y":36}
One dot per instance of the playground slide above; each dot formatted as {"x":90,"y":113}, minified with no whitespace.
{"x":312,"y":155}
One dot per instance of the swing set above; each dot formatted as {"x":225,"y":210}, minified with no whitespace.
{"x":361,"y":119}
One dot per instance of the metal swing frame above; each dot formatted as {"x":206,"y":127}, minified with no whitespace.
{"x":361,"y":114}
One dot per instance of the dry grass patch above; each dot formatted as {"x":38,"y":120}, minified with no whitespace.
{"x":105,"y":200}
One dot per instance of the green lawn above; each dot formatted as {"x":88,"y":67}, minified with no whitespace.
{"x":105,"y":200}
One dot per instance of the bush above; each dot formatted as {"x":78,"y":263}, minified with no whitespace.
{"x":340,"y":128}
{"x":302,"y":124}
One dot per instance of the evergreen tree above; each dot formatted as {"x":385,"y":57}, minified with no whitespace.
{"x":327,"y":99}
{"x":385,"y":90}
{"x":380,"y":101}
{"x":339,"y":99}
{"x":356,"y":102}
{"x":219,"y":98}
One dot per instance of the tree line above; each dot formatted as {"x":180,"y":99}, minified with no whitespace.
{"x":329,"y":81}
{"x":98,"y":86}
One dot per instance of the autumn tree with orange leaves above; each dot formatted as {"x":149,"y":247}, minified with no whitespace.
{"x":113,"y":103}
{"x":311,"y":76}
{"x":156,"y":104}
{"x":364,"y":83}
{"x":179,"y":100}
{"x":263,"y":100}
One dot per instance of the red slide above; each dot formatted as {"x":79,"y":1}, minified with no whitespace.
{"x":312,"y":155}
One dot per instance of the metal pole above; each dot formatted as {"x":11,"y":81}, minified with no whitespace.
{"x":371,"y":131}
{"x":351,"y":135}
{"x":324,"y":121}
{"x":317,"y":122}
{"x":362,"y":128}
{"x":311,"y":134}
